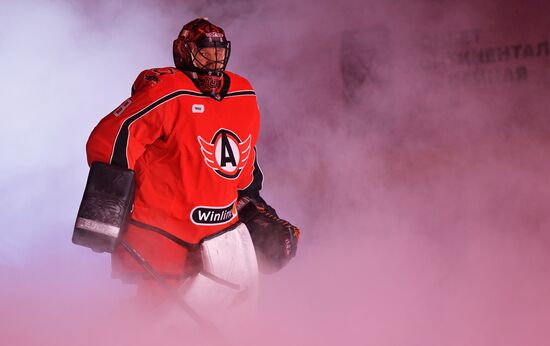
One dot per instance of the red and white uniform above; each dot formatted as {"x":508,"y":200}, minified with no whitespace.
{"x":191,"y":154}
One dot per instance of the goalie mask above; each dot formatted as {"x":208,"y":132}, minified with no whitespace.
{"x":202,"y":51}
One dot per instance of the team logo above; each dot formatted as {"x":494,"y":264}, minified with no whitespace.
{"x":226,"y":154}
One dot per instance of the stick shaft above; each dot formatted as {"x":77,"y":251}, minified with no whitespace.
{"x":156,"y":276}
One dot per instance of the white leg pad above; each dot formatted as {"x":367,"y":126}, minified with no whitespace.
{"x":229,"y":276}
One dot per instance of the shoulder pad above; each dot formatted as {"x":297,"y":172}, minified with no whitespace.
{"x":238,"y":82}
{"x":151,"y":78}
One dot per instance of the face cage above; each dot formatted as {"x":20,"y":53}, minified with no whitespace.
{"x":203,"y":68}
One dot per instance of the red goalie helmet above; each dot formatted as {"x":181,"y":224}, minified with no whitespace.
{"x":202,"y":50}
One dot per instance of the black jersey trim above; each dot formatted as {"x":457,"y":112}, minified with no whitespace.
{"x":257,"y":179}
{"x":225,"y":90}
{"x":162,"y":232}
{"x":119,"y":156}
{"x":241,"y":93}
{"x":225,"y":86}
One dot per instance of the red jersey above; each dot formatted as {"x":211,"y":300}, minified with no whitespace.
{"x":191,"y":154}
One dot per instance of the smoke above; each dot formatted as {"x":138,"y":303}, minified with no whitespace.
{"x":407,"y":139}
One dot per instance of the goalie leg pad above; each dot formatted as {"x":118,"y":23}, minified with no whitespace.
{"x":229,"y":272}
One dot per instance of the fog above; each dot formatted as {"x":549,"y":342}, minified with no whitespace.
{"x":407,"y":140}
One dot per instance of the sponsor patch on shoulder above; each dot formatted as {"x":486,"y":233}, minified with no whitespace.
{"x":210,"y":216}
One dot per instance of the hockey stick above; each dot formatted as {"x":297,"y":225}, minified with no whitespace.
{"x":188,"y":309}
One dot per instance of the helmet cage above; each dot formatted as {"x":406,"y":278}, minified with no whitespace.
{"x":205,"y":64}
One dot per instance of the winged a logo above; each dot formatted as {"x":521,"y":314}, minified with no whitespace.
{"x":226,"y":154}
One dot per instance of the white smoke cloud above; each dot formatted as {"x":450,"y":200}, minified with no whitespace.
{"x":422,"y":202}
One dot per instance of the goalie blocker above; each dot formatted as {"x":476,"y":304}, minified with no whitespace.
{"x":105,"y":208}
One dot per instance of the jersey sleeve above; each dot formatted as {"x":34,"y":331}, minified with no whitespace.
{"x":121,"y":137}
{"x":252,"y":190}
{"x":252,"y":178}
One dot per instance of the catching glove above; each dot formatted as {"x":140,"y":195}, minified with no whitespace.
{"x":275,"y":240}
